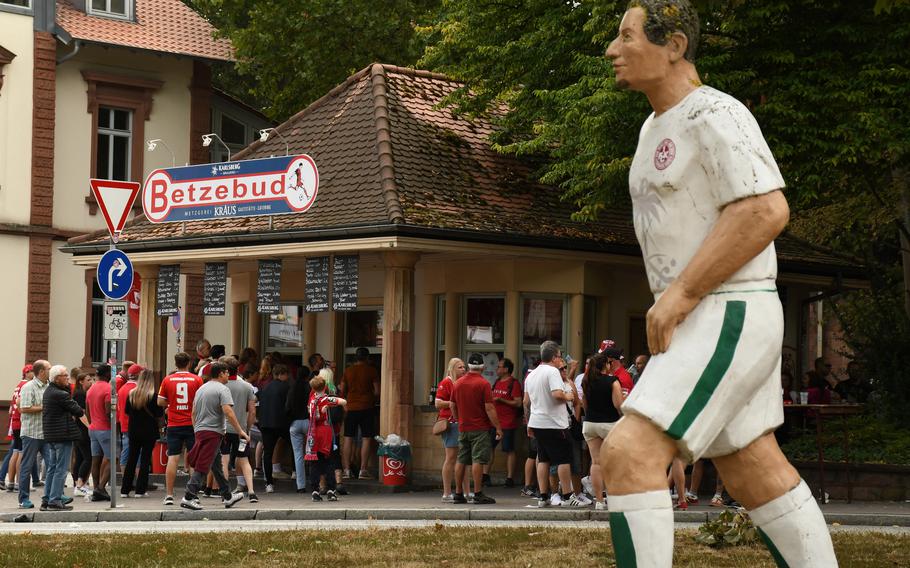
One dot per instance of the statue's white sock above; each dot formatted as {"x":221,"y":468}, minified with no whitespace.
{"x":641,"y":526}
{"x":794,"y":530}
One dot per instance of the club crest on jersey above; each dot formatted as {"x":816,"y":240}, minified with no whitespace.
{"x":664,"y":155}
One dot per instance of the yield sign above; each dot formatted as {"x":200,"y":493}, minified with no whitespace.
{"x":115,"y":199}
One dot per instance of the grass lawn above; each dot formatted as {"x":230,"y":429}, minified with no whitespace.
{"x":437,"y":547}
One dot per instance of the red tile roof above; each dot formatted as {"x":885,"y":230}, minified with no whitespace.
{"x":391,"y":160}
{"x":167,"y":26}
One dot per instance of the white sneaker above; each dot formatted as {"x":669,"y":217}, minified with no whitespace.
{"x":235,"y":498}
{"x":586,"y":485}
{"x":269,"y":488}
{"x":573,"y":501}
{"x":191,"y":504}
{"x":555,"y":500}
{"x":600,"y":506}
{"x":582,"y":499}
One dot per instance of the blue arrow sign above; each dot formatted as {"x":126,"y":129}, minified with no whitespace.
{"x":115,"y":274}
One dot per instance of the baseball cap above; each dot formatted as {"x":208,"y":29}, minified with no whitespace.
{"x":475,"y":359}
{"x":134,"y":370}
{"x":27,"y":369}
{"x":608,"y":348}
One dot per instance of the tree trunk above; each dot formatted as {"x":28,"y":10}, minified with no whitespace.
{"x":901,"y":178}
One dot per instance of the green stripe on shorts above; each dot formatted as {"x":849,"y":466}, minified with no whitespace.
{"x":730,"y":332}
{"x":775,"y":553}
{"x":622,"y":541}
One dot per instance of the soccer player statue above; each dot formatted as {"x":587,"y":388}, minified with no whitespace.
{"x":707,"y":205}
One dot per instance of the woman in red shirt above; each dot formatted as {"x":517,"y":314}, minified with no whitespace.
{"x":454,"y":371}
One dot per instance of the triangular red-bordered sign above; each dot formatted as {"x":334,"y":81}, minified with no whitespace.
{"x":115,"y":198}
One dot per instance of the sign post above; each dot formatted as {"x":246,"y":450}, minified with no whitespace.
{"x":116,"y":326}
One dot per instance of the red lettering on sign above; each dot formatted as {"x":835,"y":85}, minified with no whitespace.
{"x":192,"y":190}
{"x":177,"y":196}
{"x":221,"y":192}
{"x":258,"y":189}
{"x":206,"y":190}
{"x":239,"y":190}
{"x":159,"y":196}
{"x":277,"y":186}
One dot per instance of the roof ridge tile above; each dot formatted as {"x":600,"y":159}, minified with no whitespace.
{"x":384,"y":143}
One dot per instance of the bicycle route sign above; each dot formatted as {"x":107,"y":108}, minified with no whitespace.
{"x":116,"y":321}
{"x":115,"y":274}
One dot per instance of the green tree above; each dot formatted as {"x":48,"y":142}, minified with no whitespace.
{"x":291,"y":52}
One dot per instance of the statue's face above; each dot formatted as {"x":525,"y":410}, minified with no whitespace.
{"x":637,"y":62}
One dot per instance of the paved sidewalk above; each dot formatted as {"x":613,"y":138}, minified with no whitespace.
{"x":369,"y":500}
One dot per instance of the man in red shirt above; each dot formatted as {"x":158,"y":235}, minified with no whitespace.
{"x":472,"y":406}
{"x":507,"y":397}
{"x":614,"y":363}
{"x":98,"y":405}
{"x":15,"y":420}
{"x":177,"y":392}
{"x":132,"y":373}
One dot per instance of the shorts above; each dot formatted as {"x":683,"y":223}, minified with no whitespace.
{"x":474,"y":447}
{"x":532,"y":448}
{"x":575,"y":463}
{"x":717,"y":388}
{"x":17,"y":441}
{"x":596,"y":430}
{"x":179,"y":437}
{"x":554,"y":446}
{"x":230,"y":446}
{"x":508,"y":440}
{"x":450,"y":436}
{"x":363,"y":419}
{"x":101,"y":443}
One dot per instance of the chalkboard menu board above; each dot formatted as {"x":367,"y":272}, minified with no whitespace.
{"x":345,"y":279}
{"x":214,"y":288}
{"x":167,"y":297}
{"x":317,"y":284}
{"x":268,"y":291}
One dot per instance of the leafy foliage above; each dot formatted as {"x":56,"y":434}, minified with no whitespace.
{"x":873,"y":439}
{"x":291,"y":52}
{"x":730,"y":528}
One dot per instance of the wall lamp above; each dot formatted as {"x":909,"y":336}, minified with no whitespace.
{"x":266,"y":133}
{"x":152,"y":144}
{"x":207,"y":140}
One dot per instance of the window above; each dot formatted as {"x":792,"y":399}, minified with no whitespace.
{"x":441,"y":362}
{"x":111,"y":8}
{"x":484,"y":331}
{"x":542,"y":318}
{"x":114,"y":144}
{"x":115,"y":102}
{"x":362,"y":328}
{"x":20,"y":3}
{"x":284,"y":330}
{"x":236,"y":134}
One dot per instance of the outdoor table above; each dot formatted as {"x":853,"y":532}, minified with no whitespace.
{"x":820,"y":412}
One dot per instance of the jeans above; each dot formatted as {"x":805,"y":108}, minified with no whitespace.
{"x":299,"y":429}
{"x":124,"y":448}
{"x":57,"y":468}
{"x":31,"y":447}
{"x":4,"y":469}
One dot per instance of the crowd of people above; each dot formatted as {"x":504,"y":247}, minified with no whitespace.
{"x":567,"y":412}
{"x":218,"y":414}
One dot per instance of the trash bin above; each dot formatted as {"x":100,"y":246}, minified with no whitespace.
{"x":159,"y":457}
{"x":394,"y":456}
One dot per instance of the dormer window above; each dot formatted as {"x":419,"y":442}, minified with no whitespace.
{"x":122,"y":9}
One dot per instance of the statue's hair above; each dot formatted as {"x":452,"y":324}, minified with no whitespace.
{"x":665,"y":17}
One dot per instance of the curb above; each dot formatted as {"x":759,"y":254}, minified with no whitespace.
{"x":457,"y":514}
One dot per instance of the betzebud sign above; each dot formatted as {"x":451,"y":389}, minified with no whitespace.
{"x":270,"y":186}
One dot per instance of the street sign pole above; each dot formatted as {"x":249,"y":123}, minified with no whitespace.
{"x":116,"y":348}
